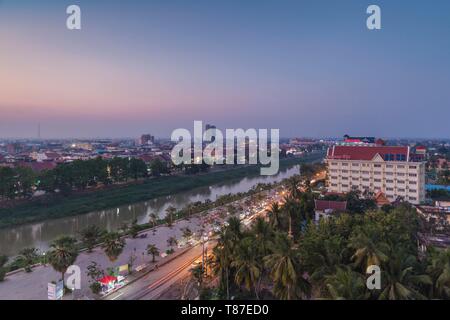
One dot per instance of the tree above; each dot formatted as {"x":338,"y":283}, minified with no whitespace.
{"x":157,"y":167}
{"x":187,"y":233}
{"x":137,"y":168}
{"x":346,"y":284}
{"x":439,"y":271}
{"x":247,"y":267}
{"x":90,"y":236}
{"x":197,"y":273}
{"x":113,"y":245}
{"x":274,"y":214}
{"x":172,"y":242}
{"x":134,"y":229}
{"x":368,"y":251}
{"x":153,"y":251}
{"x":63,"y":254}
{"x":153,"y":219}
{"x":285,"y":271}
{"x":27,"y":257}
{"x":399,"y":279}
{"x":170,"y":212}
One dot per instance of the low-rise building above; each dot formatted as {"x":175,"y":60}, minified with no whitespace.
{"x":325,"y":208}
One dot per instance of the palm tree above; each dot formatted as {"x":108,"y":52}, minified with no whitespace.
{"x":274,"y":215}
{"x":90,"y":236}
{"x":346,"y":284}
{"x":197,"y":273}
{"x":289,"y":284}
{"x":170,"y":212}
{"x":27,"y":257}
{"x":113,"y":245}
{"x":439,"y":270}
{"x":153,"y":219}
{"x":153,"y":251}
{"x":368,"y":251}
{"x":247,"y":267}
{"x":293,"y":185}
{"x":63,"y":254}
{"x":399,"y":280}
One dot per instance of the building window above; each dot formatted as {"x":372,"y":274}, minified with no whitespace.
{"x":400,"y":167}
{"x":389,"y":181}
{"x":377,"y":165}
{"x":412,"y":182}
{"x":400,"y":174}
{"x":401,"y":190}
{"x":377,"y":173}
{"x":413,"y":174}
{"x":355,"y":164}
{"x":413,"y":167}
{"x":413,"y":198}
{"x":377,"y":180}
{"x":413,"y":190}
{"x":344,"y":164}
{"x":400,"y":181}
{"x":389,"y":189}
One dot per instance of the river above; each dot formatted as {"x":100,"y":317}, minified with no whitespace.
{"x":38,"y":235}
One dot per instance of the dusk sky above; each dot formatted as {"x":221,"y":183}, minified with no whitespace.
{"x":309,"y":68}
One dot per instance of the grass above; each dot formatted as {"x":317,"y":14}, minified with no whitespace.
{"x":64,"y":206}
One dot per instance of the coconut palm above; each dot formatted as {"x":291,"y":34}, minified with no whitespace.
{"x":439,"y":271}
{"x":153,"y":251}
{"x":346,"y":284}
{"x":170,"y":212}
{"x":293,"y":185}
{"x":289,"y":283}
{"x":399,"y":279}
{"x":90,"y":236}
{"x":368,"y":251}
{"x":248,"y":270}
{"x":63,"y":254}
{"x":274,"y":214}
{"x":153,"y":219}
{"x":113,"y":245}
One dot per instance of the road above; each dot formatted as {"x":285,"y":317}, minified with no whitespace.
{"x":152,"y":285}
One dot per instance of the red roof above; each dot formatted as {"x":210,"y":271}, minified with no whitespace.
{"x":364,"y":152}
{"x":322,"y":205}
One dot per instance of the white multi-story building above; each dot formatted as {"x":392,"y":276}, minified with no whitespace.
{"x":392,"y":170}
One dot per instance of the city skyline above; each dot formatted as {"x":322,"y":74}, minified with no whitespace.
{"x":310,"y":68}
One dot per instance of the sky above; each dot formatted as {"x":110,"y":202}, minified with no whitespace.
{"x":310,"y":68}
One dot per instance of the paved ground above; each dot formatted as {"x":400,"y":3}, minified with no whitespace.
{"x":33,"y":286}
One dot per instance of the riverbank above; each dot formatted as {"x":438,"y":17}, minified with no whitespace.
{"x":60,"y":206}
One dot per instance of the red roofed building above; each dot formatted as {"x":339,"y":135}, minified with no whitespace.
{"x":324,"y":208}
{"x":393,"y":170}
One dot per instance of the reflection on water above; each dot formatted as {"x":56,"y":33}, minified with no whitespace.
{"x":39,"y":234}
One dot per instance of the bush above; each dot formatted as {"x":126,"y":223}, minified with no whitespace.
{"x":3,"y":260}
{"x":170,"y":251}
{"x":95,"y":287}
{"x":2,"y":274}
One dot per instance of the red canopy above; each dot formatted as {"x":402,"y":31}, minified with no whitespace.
{"x":107,"y":279}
